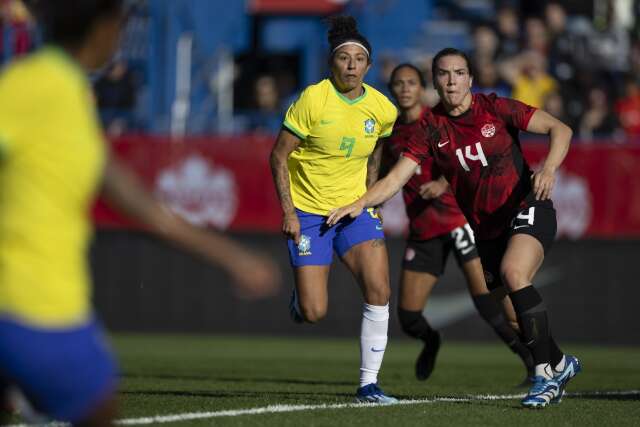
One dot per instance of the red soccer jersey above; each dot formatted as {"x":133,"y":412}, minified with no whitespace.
{"x":480,"y":155}
{"x":427,"y":218}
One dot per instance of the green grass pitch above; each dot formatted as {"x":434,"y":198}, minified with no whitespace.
{"x":203,"y":375}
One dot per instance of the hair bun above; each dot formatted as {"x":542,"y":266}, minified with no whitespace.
{"x":341,"y":27}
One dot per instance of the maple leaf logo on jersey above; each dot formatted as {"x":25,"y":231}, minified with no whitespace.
{"x":488,"y":130}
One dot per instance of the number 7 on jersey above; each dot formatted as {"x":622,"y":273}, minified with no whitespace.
{"x":347,"y":144}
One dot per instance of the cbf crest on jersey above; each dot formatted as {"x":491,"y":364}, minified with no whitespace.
{"x":304,"y":247}
{"x":369,"y":126}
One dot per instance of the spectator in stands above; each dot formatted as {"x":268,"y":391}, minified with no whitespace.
{"x":487,"y":80}
{"x":628,"y":108}
{"x":485,"y":45}
{"x":16,"y":18}
{"x":116,"y":93}
{"x":527,"y":75}
{"x":598,"y":120}
{"x":561,"y":44}
{"x":554,"y":105}
{"x":267,"y":114}
{"x":536,"y":37}
{"x":612,"y":45}
{"x":508,"y":32}
{"x":634,"y":58}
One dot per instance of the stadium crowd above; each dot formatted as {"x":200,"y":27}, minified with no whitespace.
{"x":585,"y":71}
{"x":582,"y":71}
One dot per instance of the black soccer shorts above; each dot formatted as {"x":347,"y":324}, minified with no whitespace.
{"x":430,"y":256}
{"x":537,"y":219}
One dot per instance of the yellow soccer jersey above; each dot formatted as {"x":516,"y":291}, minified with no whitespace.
{"x":329,"y":167}
{"x":51,"y":159}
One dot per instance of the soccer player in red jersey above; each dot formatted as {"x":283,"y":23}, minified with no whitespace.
{"x":437,"y":227}
{"x":473,"y":140}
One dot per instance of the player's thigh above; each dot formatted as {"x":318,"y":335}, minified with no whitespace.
{"x":415,"y":288}
{"x":532,"y":232}
{"x":312,"y":286}
{"x":68,"y":374}
{"x":368,"y":262}
{"x":360,"y":244}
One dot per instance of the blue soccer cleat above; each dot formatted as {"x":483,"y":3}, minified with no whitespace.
{"x":541,"y":393}
{"x":294,"y":308}
{"x":572,"y":367}
{"x":371,"y":393}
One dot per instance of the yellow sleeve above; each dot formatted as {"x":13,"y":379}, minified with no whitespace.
{"x":387,"y":127}
{"x":4,"y":146}
{"x":300,"y":115}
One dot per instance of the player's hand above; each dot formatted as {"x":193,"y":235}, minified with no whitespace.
{"x":353,"y":210}
{"x":432,"y":189}
{"x":291,"y":227}
{"x":543,"y":182}
{"x":255,"y":276}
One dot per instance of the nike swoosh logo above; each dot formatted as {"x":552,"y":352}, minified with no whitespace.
{"x":442,"y":144}
{"x":467,"y":250}
{"x":378,"y":227}
{"x":376,"y":350}
{"x":445,"y":310}
{"x":326,"y":122}
{"x":520,"y":226}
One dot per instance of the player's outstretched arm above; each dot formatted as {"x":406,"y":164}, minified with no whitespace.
{"x":255,"y":275}
{"x":380,"y":192}
{"x":285,"y":144}
{"x":559,"y":140}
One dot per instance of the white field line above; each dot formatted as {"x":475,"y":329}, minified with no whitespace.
{"x":273,"y":409}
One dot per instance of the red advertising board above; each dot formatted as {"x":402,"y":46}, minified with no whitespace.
{"x":226,"y":182}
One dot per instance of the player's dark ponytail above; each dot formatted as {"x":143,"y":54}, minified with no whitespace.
{"x":344,"y":29}
{"x":68,"y":22}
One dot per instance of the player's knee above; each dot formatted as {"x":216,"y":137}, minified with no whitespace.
{"x":514,"y":277}
{"x":378,"y":293}
{"x":313,"y":313}
{"x":410,"y":322}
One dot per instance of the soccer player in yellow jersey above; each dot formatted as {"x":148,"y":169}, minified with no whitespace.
{"x":319,"y":162}
{"x":53,"y":160}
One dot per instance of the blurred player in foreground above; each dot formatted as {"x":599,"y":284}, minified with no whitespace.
{"x":437,"y":227}
{"x":319,"y":162}
{"x":473,"y":140}
{"x":53,"y":161}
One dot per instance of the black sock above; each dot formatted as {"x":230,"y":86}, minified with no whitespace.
{"x":490,"y":311}
{"x":554,"y":352}
{"x":534,"y":326}
{"x":415,"y":325}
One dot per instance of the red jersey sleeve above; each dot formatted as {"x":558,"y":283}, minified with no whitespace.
{"x":418,"y":148}
{"x":514,"y":113}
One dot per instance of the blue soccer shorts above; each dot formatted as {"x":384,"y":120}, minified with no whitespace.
{"x":318,"y":241}
{"x":65,"y":373}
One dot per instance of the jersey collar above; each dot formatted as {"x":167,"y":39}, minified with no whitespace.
{"x":347,"y":100}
